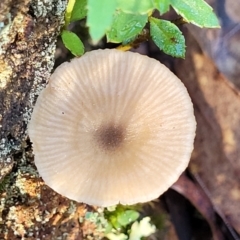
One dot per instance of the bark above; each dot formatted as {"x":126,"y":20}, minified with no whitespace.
{"x":28,"y":208}
{"x":28,"y":33}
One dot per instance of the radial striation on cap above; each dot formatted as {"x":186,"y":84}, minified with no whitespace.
{"x":112,"y":127}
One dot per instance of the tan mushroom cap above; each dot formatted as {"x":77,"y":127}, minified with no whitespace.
{"x":112,"y":127}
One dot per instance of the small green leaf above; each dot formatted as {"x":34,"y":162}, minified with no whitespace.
{"x":79,"y":10}
{"x":162,"y":5}
{"x":100,"y":16}
{"x":127,"y":217}
{"x":135,"y":6}
{"x":126,"y":26}
{"x":167,"y":37}
{"x":72,"y":43}
{"x":197,"y":12}
{"x":114,"y":222}
{"x":68,"y":12}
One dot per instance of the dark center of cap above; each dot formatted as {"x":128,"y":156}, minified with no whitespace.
{"x":110,"y":137}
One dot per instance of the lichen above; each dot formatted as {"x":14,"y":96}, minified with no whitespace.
{"x":28,"y":208}
{"x":4,"y":37}
{"x":43,"y":7}
{"x":5,"y":73}
{"x":30,"y":43}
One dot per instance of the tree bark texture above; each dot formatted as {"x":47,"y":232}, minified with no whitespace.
{"x":28,"y":33}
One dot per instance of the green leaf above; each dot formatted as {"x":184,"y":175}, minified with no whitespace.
{"x":100,"y":16}
{"x":72,"y":43}
{"x":197,"y":12}
{"x":68,"y":12}
{"x":114,"y":222}
{"x":79,"y":10}
{"x":127,"y":217}
{"x":126,"y":26}
{"x":167,"y":37}
{"x":135,"y":6}
{"x":162,"y":5}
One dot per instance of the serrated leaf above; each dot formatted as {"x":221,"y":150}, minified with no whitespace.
{"x":72,"y":42}
{"x":135,"y":6}
{"x":162,"y":5}
{"x":197,"y":12}
{"x":79,"y":10}
{"x":100,"y":16}
{"x":127,"y":217}
{"x":167,"y":37}
{"x":125,"y":26}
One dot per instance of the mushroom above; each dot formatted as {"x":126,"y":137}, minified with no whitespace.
{"x":112,"y":127}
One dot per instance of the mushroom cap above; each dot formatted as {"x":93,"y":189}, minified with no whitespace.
{"x":112,"y":127}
